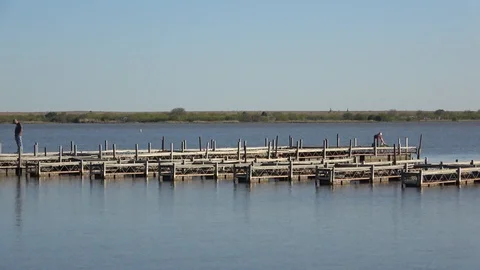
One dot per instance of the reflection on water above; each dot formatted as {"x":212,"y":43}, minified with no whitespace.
{"x":78,"y":223}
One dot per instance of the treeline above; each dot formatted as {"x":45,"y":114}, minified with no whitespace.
{"x":181,"y":115}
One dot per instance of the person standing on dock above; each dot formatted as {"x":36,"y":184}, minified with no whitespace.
{"x":18,"y":135}
{"x":378,"y":138}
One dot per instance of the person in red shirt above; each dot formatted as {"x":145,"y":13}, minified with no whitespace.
{"x":378,"y":139}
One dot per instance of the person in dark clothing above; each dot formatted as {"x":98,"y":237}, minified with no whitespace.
{"x":18,"y":135}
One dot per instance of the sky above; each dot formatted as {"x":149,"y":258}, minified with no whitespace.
{"x":219,"y":55}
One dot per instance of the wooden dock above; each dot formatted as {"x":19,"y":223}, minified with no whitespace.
{"x":326,"y":165}
{"x":428,"y":175}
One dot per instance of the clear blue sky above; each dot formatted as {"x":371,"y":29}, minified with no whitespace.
{"x":239,"y":55}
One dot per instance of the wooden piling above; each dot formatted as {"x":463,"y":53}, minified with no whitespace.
{"x":146,"y":168}
{"x":276,"y":146}
{"x":325,"y":150}
{"x":163,"y":143}
{"x":399,"y":146}
{"x":0,"y":148}
{"x":245,"y":151}
{"x":171,"y":151}
{"x":106,"y":145}
{"x":45,"y":150}
{"x":355,"y":142}
{"x":265,"y":143}
{"x":149,"y":147}
{"x":419,"y":149}
{"x":214,"y":146}
{"x":268,"y":150}
{"x":35,"y":149}
{"x":71,"y":146}
{"x":238,"y":148}
{"x":372,"y":173}
{"x":215,"y":172}
{"x":100,"y":152}
{"x":338,"y":140}
{"x":19,"y":163}
{"x":459,"y":176}
{"x":206,"y":149}
{"x":81,"y":167}
{"x":75,"y":150}
{"x":114,"y":151}
{"x":297,"y":152}
{"x":60,"y":152}
{"x":290,"y":170}
{"x":350,"y":149}
{"x":301,"y":143}
{"x":290,"y":141}
{"x":394,"y":154}
{"x":199,"y":143}
{"x":136,"y":151}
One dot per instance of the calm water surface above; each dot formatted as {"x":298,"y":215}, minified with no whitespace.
{"x":74,"y":223}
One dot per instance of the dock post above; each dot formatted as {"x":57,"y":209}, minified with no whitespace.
{"x":420,"y":176}
{"x":0,"y":148}
{"x":276,"y":146}
{"x":136,"y":151}
{"x":185,"y":144}
{"x":355,"y":142}
{"x":290,"y":141}
{"x":71,"y":146}
{"x":100,"y":152}
{"x":149,"y":147}
{"x":338,"y":140}
{"x":104,"y":169}
{"x":171,"y":151}
{"x":290,"y":170}
{"x":19,"y":164}
{"x":332,"y":176}
{"x":39,"y":170}
{"x":245,"y":151}
{"x":372,"y":173}
{"x":163,"y":143}
{"x":106,"y":145}
{"x":326,"y":142}
{"x":419,"y":150}
{"x":350,"y":149}
{"x":75,"y":150}
{"x":206,"y":150}
{"x":173,"y":173}
{"x":114,"y":151}
{"x":250,"y":173}
{"x":238,"y":148}
{"x":35,"y":149}
{"x":297,"y":154}
{"x":265,"y":142}
{"x":375,"y":149}
{"x":317,"y":184}
{"x":81,"y":167}
{"x":199,"y":143}
{"x":159,"y":175}
{"x":399,"y":146}
{"x":394,"y":154}
{"x":324,"y":150}
{"x":459,"y":176}
{"x":182,"y":146}
{"x":268,"y":150}
{"x":90,"y":170}
{"x":215,"y":172}
{"x":214,"y":146}
{"x":301,"y":143}
{"x":60,"y":152}
{"x":406,"y":143}
{"x":146,"y":168}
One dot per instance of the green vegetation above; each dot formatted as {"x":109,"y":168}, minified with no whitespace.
{"x":181,"y":115}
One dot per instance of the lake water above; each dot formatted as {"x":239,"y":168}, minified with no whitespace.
{"x":74,"y":223}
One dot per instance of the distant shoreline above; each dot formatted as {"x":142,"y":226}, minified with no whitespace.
{"x":180,"y":115}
